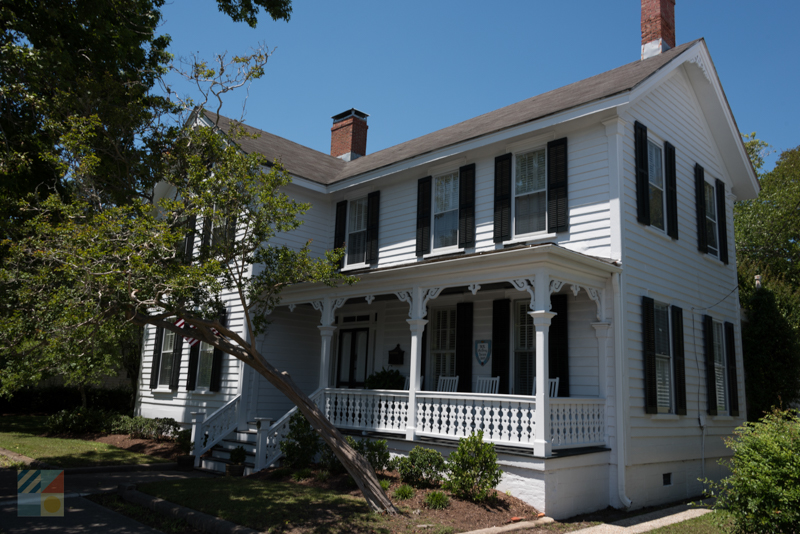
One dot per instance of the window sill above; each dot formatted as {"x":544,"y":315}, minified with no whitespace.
{"x":203,"y":391}
{"x":355,"y":267}
{"x":529,"y":239}
{"x":659,"y":232}
{"x":162,"y":390}
{"x":722,"y":418}
{"x":714,"y":259}
{"x":438,"y":253}
{"x":664,"y":417}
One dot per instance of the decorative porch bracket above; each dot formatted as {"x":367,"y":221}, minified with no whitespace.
{"x":417,"y":300}
{"x":597,"y":296}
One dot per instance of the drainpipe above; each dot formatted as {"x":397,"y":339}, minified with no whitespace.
{"x":620,"y":373}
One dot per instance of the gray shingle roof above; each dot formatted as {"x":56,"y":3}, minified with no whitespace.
{"x":325,"y":169}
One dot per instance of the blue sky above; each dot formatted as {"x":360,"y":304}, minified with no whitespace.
{"x":418,"y":66}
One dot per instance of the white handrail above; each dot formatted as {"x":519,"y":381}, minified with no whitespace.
{"x":219,"y":424}
{"x":268,"y":447}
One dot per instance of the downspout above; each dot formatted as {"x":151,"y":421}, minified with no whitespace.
{"x":619,"y":367}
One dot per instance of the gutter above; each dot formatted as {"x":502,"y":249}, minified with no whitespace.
{"x":620,"y":375}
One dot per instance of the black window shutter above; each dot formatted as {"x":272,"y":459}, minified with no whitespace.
{"x":156,"y":358}
{"x":733,"y":384}
{"x":176,"y":362}
{"x":373,"y":218}
{"x":340,"y":227}
{"x":678,"y":361}
{"x":501,"y":348}
{"x":642,"y":172}
{"x":205,"y":243}
{"x":216,"y":363}
{"x":711,"y":387}
{"x":188,"y":240}
{"x":502,"y":198}
{"x":424,"y":359}
{"x":700,"y":204}
{"x":194,"y":358}
{"x":672,"y":190}
{"x":464,"y":346}
{"x":466,"y":206}
{"x":424,"y":216}
{"x":230,"y":231}
{"x":649,"y":346}
{"x":722,"y":222}
{"x":558,"y":359}
{"x":557,"y":209}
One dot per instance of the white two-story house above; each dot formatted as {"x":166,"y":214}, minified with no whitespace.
{"x":576,"y":248}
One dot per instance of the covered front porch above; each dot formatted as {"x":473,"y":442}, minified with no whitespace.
{"x":435,"y":313}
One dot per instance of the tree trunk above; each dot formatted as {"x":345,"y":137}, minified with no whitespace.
{"x":357,"y":466}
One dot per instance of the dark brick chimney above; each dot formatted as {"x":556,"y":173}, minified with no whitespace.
{"x":658,"y":27}
{"x":349,"y":135}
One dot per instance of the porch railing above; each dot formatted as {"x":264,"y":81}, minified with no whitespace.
{"x":208,"y":432}
{"x":268,"y":441}
{"x":577,"y":422}
{"x":379,"y":410}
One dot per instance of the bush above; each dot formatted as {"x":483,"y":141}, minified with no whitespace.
{"x":385,"y":484}
{"x":375,"y":452}
{"x":184,"y":441}
{"x":80,"y":421}
{"x":330,"y":462}
{"x":422,"y":467}
{"x":436,"y":500}
{"x":762,"y":493}
{"x":473,"y":469}
{"x":301,"y":444}
{"x":302,"y":474}
{"x":238,"y":455}
{"x":385,"y":379}
{"x":403,"y":492}
{"x":50,"y":399}
{"x":139,"y":427}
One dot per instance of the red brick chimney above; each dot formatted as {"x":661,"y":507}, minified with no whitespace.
{"x":349,"y":135}
{"x":658,"y":27}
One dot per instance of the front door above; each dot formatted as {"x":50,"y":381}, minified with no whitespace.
{"x":352,"y":368}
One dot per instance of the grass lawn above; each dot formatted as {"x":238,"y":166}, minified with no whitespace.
{"x":22,"y":434}
{"x":270,"y":505}
{"x":699,"y":525}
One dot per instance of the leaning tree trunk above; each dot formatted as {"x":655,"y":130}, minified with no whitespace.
{"x":358,"y":467}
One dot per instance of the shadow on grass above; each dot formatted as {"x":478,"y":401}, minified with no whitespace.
{"x":271,"y":505}
{"x":108,"y":455}
{"x":23,"y":424}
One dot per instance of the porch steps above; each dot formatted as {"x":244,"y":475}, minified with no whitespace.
{"x":220,"y":453}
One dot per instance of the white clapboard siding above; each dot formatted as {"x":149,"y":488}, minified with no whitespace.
{"x":674,"y":272}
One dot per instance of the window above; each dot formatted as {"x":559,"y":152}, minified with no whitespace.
{"x":168,"y":352}
{"x":711,"y":219}
{"x":719,"y":366}
{"x":443,"y":344}
{"x":524,"y":349}
{"x":656,"y":172}
{"x":357,"y":232}
{"x":663,"y":367}
{"x":445,"y":210}
{"x":530,"y":193}
{"x":204,"y":365}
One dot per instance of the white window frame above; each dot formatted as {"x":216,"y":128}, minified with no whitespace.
{"x":662,"y":358}
{"x":663,"y":189}
{"x":519,"y":351}
{"x":516,"y":154}
{"x":163,"y":382}
{"x":449,"y":352}
{"x":711,"y":218}
{"x":720,"y":366}
{"x":350,"y":213}
{"x":447,"y":248}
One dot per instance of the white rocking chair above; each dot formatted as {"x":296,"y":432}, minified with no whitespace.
{"x":553,"y":387}
{"x":448,"y":384}
{"x":487,"y":384}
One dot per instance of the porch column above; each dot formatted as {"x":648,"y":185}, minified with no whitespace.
{"x":326,"y":333}
{"x":541,"y":416}
{"x":417,"y":327}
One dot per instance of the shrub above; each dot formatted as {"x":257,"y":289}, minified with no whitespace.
{"x":422,"y":467}
{"x":375,"y":452}
{"x":184,"y":441}
{"x":322,"y":476}
{"x":140,"y":427}
{"x":80,"y":421}
{"x":385,"y":484}
{"x":762,"y":494}
{"x":301,"y":444}
{"x":237,"y":455}
{"x":385,"y":379}
{"x":302,"y":474}
{"x":436,"y":500}
{"x":330,"y":462}
{"x":46,"y":399}
{"x":473,"y":469}
{"x":403,"y":492}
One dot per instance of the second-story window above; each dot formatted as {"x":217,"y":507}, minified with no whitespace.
{"x":530,"y":192}
{"x":357,"y":232}
{"x":656,"y":173}
{"x":168,"y":352}
{"x":711,"y":219}
{"x":445,"y":210}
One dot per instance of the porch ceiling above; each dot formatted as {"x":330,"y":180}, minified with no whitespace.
{"x":483,"y":268}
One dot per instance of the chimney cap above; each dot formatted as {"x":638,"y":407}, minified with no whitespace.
{"x":352,"y":112}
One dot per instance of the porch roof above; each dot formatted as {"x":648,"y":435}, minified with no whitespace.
{"x":487,"y":267}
